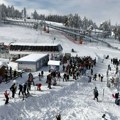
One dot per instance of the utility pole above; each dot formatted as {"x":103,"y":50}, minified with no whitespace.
{"x":107,"y":73}
{"x":119,"y":81}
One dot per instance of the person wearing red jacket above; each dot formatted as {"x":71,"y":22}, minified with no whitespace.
{"x":6,"y":94}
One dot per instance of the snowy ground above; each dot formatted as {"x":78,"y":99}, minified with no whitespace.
{"x":74,"y":99}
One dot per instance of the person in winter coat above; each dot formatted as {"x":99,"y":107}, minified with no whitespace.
{"x":20,"y":89}
{"x":13,"y":89}
{"x":104,"y":117}
{"x":101,"y":78}
{"x":95,"y":77}
{"x":42,"y":73}
{"x":95,"y":92}
{"x":63,"y":68}
{"x":49,"y":81}
{"x":29,"y":84}
{"x":90,"y":78}
{"x":6,"y":94}
{"x":15,"y":73}
{"x":64,"y":77}
{"x":117,"y":100}
{"x":91,"y":71}
{"x":58,"y":117}
{"x":26,"y":88}
{"x":39,"y":77}
{"x":116,"y":95}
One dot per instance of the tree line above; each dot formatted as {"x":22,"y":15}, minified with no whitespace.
{"x":73,"y":21}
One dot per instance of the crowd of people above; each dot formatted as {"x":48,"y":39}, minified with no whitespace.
{"x":23,"y":89}
{"x":74,"y":68}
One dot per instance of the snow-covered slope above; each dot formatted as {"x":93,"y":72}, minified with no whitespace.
{"x":74,"y":99}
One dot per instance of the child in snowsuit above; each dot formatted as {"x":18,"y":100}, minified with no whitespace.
{"x":6,"y":94}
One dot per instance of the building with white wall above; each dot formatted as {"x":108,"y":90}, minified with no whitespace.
{"x":32,"y":62}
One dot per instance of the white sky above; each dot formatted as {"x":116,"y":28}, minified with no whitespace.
{"x":97,"y":10}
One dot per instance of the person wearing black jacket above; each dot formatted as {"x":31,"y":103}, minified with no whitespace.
{"x":6,"y":94}
{"x":20,"y":89}
{"x":13,"y":89}
{"x":58,"y":117}
{"x":95,"y":92}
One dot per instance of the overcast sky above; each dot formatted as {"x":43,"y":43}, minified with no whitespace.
{"x":97,"y":10}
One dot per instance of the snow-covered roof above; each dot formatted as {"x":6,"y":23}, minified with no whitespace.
{"x":31,"y":58}
{"x":53,"y":62}
{"x":97,"y":30}
{"x":34,"y":44}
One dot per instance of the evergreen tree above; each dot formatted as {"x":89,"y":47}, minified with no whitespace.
{"x":118,"y":33}
{"x":24,"y":13}
{"x":76,"y":21}
{"x":35,"y":15}
{"x":115,"y":31}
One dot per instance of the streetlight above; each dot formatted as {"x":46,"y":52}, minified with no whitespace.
{"x":118,"y":81}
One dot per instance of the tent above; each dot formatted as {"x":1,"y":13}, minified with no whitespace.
{"x":54,"y":65}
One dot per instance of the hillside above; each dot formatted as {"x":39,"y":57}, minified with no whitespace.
{"x":73,"y":99}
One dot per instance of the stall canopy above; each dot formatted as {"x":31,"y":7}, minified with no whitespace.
{"x":54,"y":62}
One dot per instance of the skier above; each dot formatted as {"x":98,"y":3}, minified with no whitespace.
{"x":6,"y":94}
{"x":95,"y":92}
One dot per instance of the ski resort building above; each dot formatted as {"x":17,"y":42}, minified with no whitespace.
{"x":28,"y":48}
{"x":32,"y":62}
